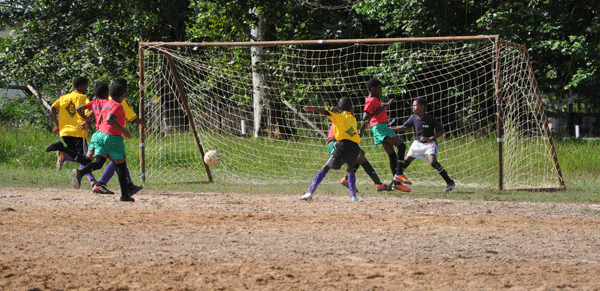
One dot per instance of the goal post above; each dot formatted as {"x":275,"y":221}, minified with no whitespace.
{"x":197,"y":96}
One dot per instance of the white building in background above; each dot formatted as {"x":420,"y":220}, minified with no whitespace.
{"x":11,"y":91}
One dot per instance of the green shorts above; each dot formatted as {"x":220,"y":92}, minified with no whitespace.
{"x":108,"y":144}
{"x":381,"y":131}
{"x":330,"y":147}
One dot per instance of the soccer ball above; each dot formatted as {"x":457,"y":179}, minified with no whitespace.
{"x":212,"y":158}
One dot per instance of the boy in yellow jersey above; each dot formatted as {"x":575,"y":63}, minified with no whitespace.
{"x":346,"y":149}
{"x":110,"y":169}
{"x":66,"y":122}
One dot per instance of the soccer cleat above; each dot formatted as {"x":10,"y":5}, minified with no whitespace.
{"x":126,"y":199}
{"x":345,"y":183}
{"x":132,"y":189}
{"x":353,"y":198}
{"x":76,"y":181}
{"x":402,"y":179}
{"x":401,"y":187}
{"x":102,"y":190}
{"x":384,"y":187}
{"x":55,"y":146}
{"x":449,"y":186}
{"x":60,"y":160}
{"x":306,"y":196}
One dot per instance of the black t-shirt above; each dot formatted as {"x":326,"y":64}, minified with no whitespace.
{"x":426,"y":126}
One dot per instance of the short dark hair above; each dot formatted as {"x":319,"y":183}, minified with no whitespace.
{"x":373,"y":83}
{"x":79,"y":81}
{"x":345,"y":104}
{"x":117,"y":90}
{"x":421,"y":101}
{"x":122,"y":81}
{"x":101,"y":90}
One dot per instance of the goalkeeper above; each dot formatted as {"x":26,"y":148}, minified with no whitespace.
{"x":345,"y":150}
{"x":427,"y":130}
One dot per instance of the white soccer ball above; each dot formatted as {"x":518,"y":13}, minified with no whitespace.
{"x":212,"y":158}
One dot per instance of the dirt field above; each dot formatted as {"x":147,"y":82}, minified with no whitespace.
{"x":56,"y":239}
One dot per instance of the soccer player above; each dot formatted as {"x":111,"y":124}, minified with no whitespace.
{"x":66,"y":122}
{"x":427,"y":130}
{"x":345,"y":150}
{"x":375,"y":113}
{"x":107,"y":141}
{"x":111,"y":167}
{"x":361,"y":161}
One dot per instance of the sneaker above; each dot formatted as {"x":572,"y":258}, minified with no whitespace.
{"x":384,"y":187}
{"x":102,"y":190}
{"x":55,"y":146}
{"x":306,"y":196}
{"x":76,"y":178}
{"x":132,"y":189}
{"x":345,"y":183}
{"x":450,"y":186}
{"x":353,"y":198}
{"x":402,"y":179}
{"x":60,"y":160}
{"x":126,"y":199}
{"x":401,"y":187}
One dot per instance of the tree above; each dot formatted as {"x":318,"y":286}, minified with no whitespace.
{"x":53,"y":41}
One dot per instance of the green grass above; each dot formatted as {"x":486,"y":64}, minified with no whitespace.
{"x":23,"y":163}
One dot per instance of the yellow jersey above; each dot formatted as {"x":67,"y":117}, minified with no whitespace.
{"x":129,"y":113}
{"x":68,"y":119}
{"x":344,"y":126}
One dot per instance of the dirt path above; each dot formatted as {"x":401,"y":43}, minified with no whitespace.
{"x":56,"y":239}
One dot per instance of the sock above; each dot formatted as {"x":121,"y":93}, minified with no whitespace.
{"x":371,"y":172}
{"x":316,"y":181}
{"x":121,"y":173}
{"x":69,"y":158}
{"x":352,"y":183}
{"x":393,"y":162}
{"x":110,"y":171}
{"x":356,"y":166}
{"x":95,"y":165}
{"x":442,"y":172}
{"x":400,"y":161}
{"x":89,"y":176}
{"x":75,"y":156}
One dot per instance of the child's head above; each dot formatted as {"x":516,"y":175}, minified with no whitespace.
{"x":117,"y":92}
{"x":374,"y":86}
{"x":345,"y":104}
{"x":419,"y":105}
{"x":101,"y":90}
{"x":121,"y":81}
{"x":80,"y":84}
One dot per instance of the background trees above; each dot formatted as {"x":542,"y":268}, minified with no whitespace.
{"x":54,"y":40}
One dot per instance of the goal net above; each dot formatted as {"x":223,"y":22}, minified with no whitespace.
{"x":245,"y":100}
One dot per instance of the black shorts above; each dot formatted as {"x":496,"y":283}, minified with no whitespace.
{"x":77,"y":144}
{"x":344,"y":152}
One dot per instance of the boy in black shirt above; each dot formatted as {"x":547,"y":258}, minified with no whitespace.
{"x":427,"y":130}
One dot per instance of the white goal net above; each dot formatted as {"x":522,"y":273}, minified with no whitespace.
{"x":245,"y":100}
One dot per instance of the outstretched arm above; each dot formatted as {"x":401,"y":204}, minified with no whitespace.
{"x":367,"y":116}
{"x":397,"y":129}
{"x":317,"y":110}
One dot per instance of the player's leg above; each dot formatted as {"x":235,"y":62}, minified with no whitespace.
{"x":438,"y":167}
{"x":69,"y":149}
{"x":108,"y":173}
{"x":97,"y":164}
{"x":121,"y":165}
{"x":78,"y":146}
{"x":399,"y":174}
{"x":316,"y":181}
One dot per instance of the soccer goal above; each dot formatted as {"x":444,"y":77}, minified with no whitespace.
{"x":245,"y":99}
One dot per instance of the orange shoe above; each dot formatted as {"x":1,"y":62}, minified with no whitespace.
{"x":402,"y":178}
{"x":344,"y":183}
{"x":401,"y":188}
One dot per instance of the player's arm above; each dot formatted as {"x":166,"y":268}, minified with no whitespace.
{"x":54,"y":112}
{"x":112,"y":120}
{"x":438,"y":133}
{"x":367,"y":115}
{"x":139,"y":121}
{"x":361,"y":131}
{"x":400,"y":128}
{"x":317,"y":110}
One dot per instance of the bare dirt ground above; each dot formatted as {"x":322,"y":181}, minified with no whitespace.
{"x":57,"y":239}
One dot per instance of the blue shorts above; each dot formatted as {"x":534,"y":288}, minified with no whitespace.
{"x":108,"y":144}
{"x":381,"y":131}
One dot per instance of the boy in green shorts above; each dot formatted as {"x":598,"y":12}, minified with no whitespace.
{"x":375,"y":113}
{"x":107,"y":142}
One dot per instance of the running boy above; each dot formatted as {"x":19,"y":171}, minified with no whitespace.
{"x":107,"y":142}
{"x":109,"y":171}
{"x":427,"y":130}
{"x":375,"y":113}
{"x":345,"y":150}
{"x":66,"y":122}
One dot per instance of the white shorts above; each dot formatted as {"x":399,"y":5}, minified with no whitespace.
{"x":420,"y":150}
